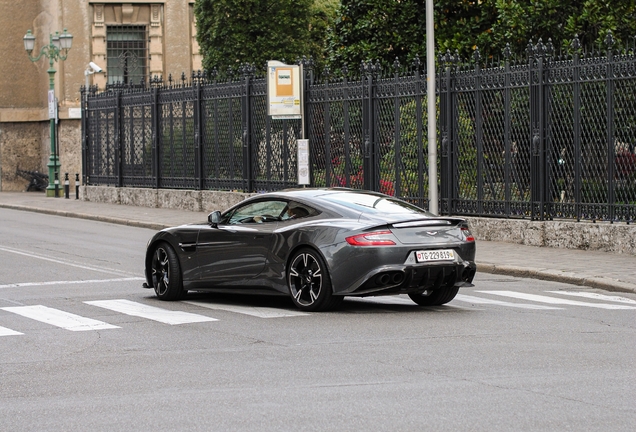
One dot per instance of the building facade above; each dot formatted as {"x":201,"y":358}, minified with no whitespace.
{"x":130,"y":42}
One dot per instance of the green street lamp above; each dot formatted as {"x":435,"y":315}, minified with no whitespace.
{"x":57,"y":49}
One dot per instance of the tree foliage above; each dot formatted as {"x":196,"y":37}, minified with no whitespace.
{"x":347,"y":32}
{"x":233,"y":32}
{"x":386,"y":29}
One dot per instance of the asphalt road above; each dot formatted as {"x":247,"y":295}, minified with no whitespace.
{"x":84,"y":347}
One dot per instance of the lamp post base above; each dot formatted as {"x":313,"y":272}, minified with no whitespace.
{"x":51,"y":192}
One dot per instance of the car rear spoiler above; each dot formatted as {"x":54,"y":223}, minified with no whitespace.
{"x":429,"y":222}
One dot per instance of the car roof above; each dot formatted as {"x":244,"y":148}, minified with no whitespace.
{"x":317,"y":192}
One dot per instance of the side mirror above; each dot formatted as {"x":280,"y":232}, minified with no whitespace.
{"x":214,"y":218}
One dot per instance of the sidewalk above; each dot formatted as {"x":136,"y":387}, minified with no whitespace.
{"x":612,"y":272}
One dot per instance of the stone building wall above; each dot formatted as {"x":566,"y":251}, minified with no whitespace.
{"x":20,"y":147}
{"x":24,"y":126}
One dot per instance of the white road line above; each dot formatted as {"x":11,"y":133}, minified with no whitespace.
{"x":150,"y":312}
{"x":596,"y":296}
{"x":479,"y":300}
{"x":260,"y":312}
{"x":8,"y":332}
{"x":554,"y":300}
{"x":58,"y":261}
{"x":74,"y":282}
{"x":59,"y":318}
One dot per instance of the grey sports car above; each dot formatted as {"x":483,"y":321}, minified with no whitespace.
{"x":317,"y":246}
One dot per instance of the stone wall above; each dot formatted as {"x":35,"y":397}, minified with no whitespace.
{"x":603,"y":236}
{"x":191,"y":200}
{"x":20,"y":148}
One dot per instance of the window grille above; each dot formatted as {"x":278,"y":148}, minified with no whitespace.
{"x":127,"y":51}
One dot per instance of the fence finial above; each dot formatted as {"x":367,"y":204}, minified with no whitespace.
{"x":476,"y":55}
{"x":609,"y":40}
{"x":576,"y":43}
{"x":417,"y":62}
{"x":396,"y":64}
{"x":507,"y":52}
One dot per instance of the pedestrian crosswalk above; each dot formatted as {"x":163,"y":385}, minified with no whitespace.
{"x":150,"y":312}
{"x":172,"y":315}
{"x":58,"y":318}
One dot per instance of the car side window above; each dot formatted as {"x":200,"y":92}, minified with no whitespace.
{"x":258,"y":212}
{"x":295,"y":210}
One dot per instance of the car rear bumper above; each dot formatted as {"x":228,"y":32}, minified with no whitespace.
{"x":416,"y":279}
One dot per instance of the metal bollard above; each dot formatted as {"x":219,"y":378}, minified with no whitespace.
{"x":77,"y":185}
{"x":66,"y":186}
{"x":57,"y":184}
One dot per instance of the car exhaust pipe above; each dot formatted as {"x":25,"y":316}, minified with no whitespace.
{"x":383,"y":279}
{"x":398,"y":278}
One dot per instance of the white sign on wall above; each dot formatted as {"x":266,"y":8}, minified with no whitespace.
{"x":52,"y":105}
{"x":303,"y":162}
{"x":284,"y":90}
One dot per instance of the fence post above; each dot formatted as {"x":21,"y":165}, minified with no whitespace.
{"x":198,"y":130}
{"x":369,"y":71}
{"x":118,"y":139}
{"x":247,"y":135}
{"x":156,"y":157}
{"x":611,"y":202}
{"x":419,"y":132}
{"x":479,"y":134}
{"x":537,"y":132}
{"x":84,"y":92}
{"x":308,"y":80}
{"x":576,"y":120}
{"x":447,"y":179}
{"x":326,"y":115}
{"x":397,"y":135}
{"x":507,"y":142}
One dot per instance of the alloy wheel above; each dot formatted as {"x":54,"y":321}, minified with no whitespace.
{"x":305,"y":279}
{"x":160,"y":271}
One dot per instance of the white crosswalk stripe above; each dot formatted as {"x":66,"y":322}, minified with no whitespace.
{"x":554,"y":300}
{"x":74,"y":322}
{"x":8,"y":332}
{"x":596,"y":296}
{"x":165,"y":316}
{"x":59,"y":318}
{"x":480,"y":300}
{"x":260,"y":312}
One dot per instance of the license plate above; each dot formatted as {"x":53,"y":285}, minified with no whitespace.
{"x":435,"y":255}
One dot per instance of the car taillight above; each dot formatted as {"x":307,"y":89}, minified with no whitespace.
{"x":376,"y":238}
{"x":467,"y":235}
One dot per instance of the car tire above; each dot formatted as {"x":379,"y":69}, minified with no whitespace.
{"x":166,"y":273}
{"x":434,"y":297}
{"x":309,"y":282}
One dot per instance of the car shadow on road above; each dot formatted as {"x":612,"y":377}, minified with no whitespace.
{"x":351,"y":305}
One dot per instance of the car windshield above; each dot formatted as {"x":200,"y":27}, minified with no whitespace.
{"x":374,"y":204}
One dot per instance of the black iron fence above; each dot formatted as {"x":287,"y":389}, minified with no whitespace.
{"x":546,"y":137}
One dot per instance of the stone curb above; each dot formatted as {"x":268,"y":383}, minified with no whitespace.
{"x":557,"y":276}
{"x":108,"y":219}
{"x":508,"y":270}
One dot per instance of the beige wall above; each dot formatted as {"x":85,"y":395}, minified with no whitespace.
{"x":24,"y":132}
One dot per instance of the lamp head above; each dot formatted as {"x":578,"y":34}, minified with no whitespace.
{"x":55,"y":40}
{"x":66,"y":40}
{"x":29,"y":41}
